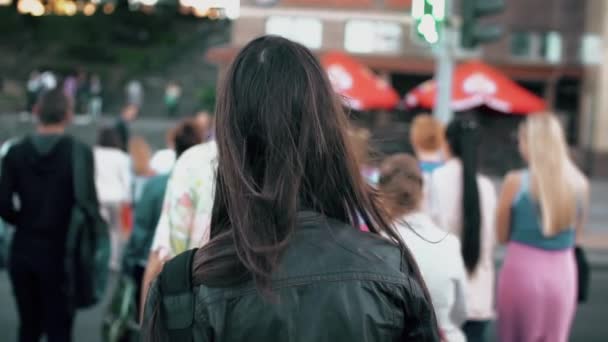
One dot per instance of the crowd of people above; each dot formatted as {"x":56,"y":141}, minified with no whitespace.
{"x":84,"y":91}
{"x":269,"y":221}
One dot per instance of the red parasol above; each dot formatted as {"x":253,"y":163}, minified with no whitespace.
{"x":360,"y":87}
{"x":476,"y":84}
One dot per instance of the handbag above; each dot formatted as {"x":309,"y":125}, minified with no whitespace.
{"x":584,"y":274}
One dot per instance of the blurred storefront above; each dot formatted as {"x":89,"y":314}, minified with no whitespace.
{"x":545,"y":46}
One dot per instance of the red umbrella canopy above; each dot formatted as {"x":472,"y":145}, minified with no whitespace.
{"x":476,"y":84}
{"x":360,"y":87}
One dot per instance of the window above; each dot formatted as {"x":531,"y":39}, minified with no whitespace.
{"x":306,"y":31}
{"x":591,"y":49}
{"x":545,"y":46}
{"x":551,"y":47}
{"x":367,"y":36}
{"x":522,"y":44}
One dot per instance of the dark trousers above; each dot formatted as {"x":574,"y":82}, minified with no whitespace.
{"x":476,"y":331}
{"x":138,"y":276}
{"x":42,"y":300}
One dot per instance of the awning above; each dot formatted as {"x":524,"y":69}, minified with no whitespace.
{"x":478,"y":84}
{"x":360,"y":87}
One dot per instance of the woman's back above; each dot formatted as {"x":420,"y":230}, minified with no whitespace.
{"x":447,"y":213}
{"x":526,"y":221}
{"x":283,"y":148}
{"x":539,"y":210}
{"x":438,"y":256}
{"x":112,"y":174}
{"x":334,"y":283}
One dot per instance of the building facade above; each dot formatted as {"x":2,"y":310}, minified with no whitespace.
{"x":547,"y":46}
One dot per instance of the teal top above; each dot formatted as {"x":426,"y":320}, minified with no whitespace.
{"x":429,"y":166}
{"x":147,"y":214}
{"x":526,"y":222}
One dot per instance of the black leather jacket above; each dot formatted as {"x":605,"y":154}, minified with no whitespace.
{"x":335,"y":283}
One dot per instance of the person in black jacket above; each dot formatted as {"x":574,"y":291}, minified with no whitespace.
{"x":37,"y":197}
{"x":286,"y":260}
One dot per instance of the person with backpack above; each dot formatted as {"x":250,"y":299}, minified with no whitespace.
{"x":39,"y":171}
{"x":286,"y":260}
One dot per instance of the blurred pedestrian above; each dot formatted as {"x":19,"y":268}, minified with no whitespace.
{"x":541,"y":210}
{"x":286,"y":260}
{"x":48,"y":81}
{"x":427,"y":136}
{"x":113,"y":183}
{"x":428,"y":141}
{"x":388,"y":134}
{"x":39,"y":171}
{"x":96,"y":96}
{"x":122,"y":125}
{"x":360,"y":140}
{"x":173,"y":93}
{"x":186,"y":214}
{"x":206,"y":123}
{"x":465,"y":204}
{"x":82,"y":95}
{"x":70,"y":86}
{"x":436,"y":252}
{"x":163,"y":160}
{"x":140,"y":154}
{"x":149,"y":208}
{"x":33,"y":87}
{"x":134,"y":92}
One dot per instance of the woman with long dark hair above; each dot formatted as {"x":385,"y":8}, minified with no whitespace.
{"x":286,"y":261}
{"x":466,"y":206}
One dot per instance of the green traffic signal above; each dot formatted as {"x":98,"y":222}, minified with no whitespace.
{"x":472,"y":34}
{"x":429,"y":16}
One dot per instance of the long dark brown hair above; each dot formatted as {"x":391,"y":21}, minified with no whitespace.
{"x":283,"y":147}
{"x":463,"y":140}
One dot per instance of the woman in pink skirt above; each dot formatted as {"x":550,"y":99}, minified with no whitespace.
{"x":539,"y":213}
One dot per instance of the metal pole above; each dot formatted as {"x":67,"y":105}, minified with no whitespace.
{"x":444,"y":68}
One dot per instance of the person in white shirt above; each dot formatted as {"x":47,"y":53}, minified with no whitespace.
{"x":436,"y":251}
{"x":465,"y":204}
{"x":184,"y":222}
{"x":163,"y":160}
{"x":113,"y":183}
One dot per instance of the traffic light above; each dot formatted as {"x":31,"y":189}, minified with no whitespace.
{"x":429,"y":17}
{"x":472,"y":33}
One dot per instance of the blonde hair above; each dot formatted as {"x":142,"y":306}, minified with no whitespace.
{"x":427,"y":133}
{"x":140,"y":153}
{"x":555,"y":180}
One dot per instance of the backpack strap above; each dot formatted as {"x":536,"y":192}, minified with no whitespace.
{"x":177,"y":299}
